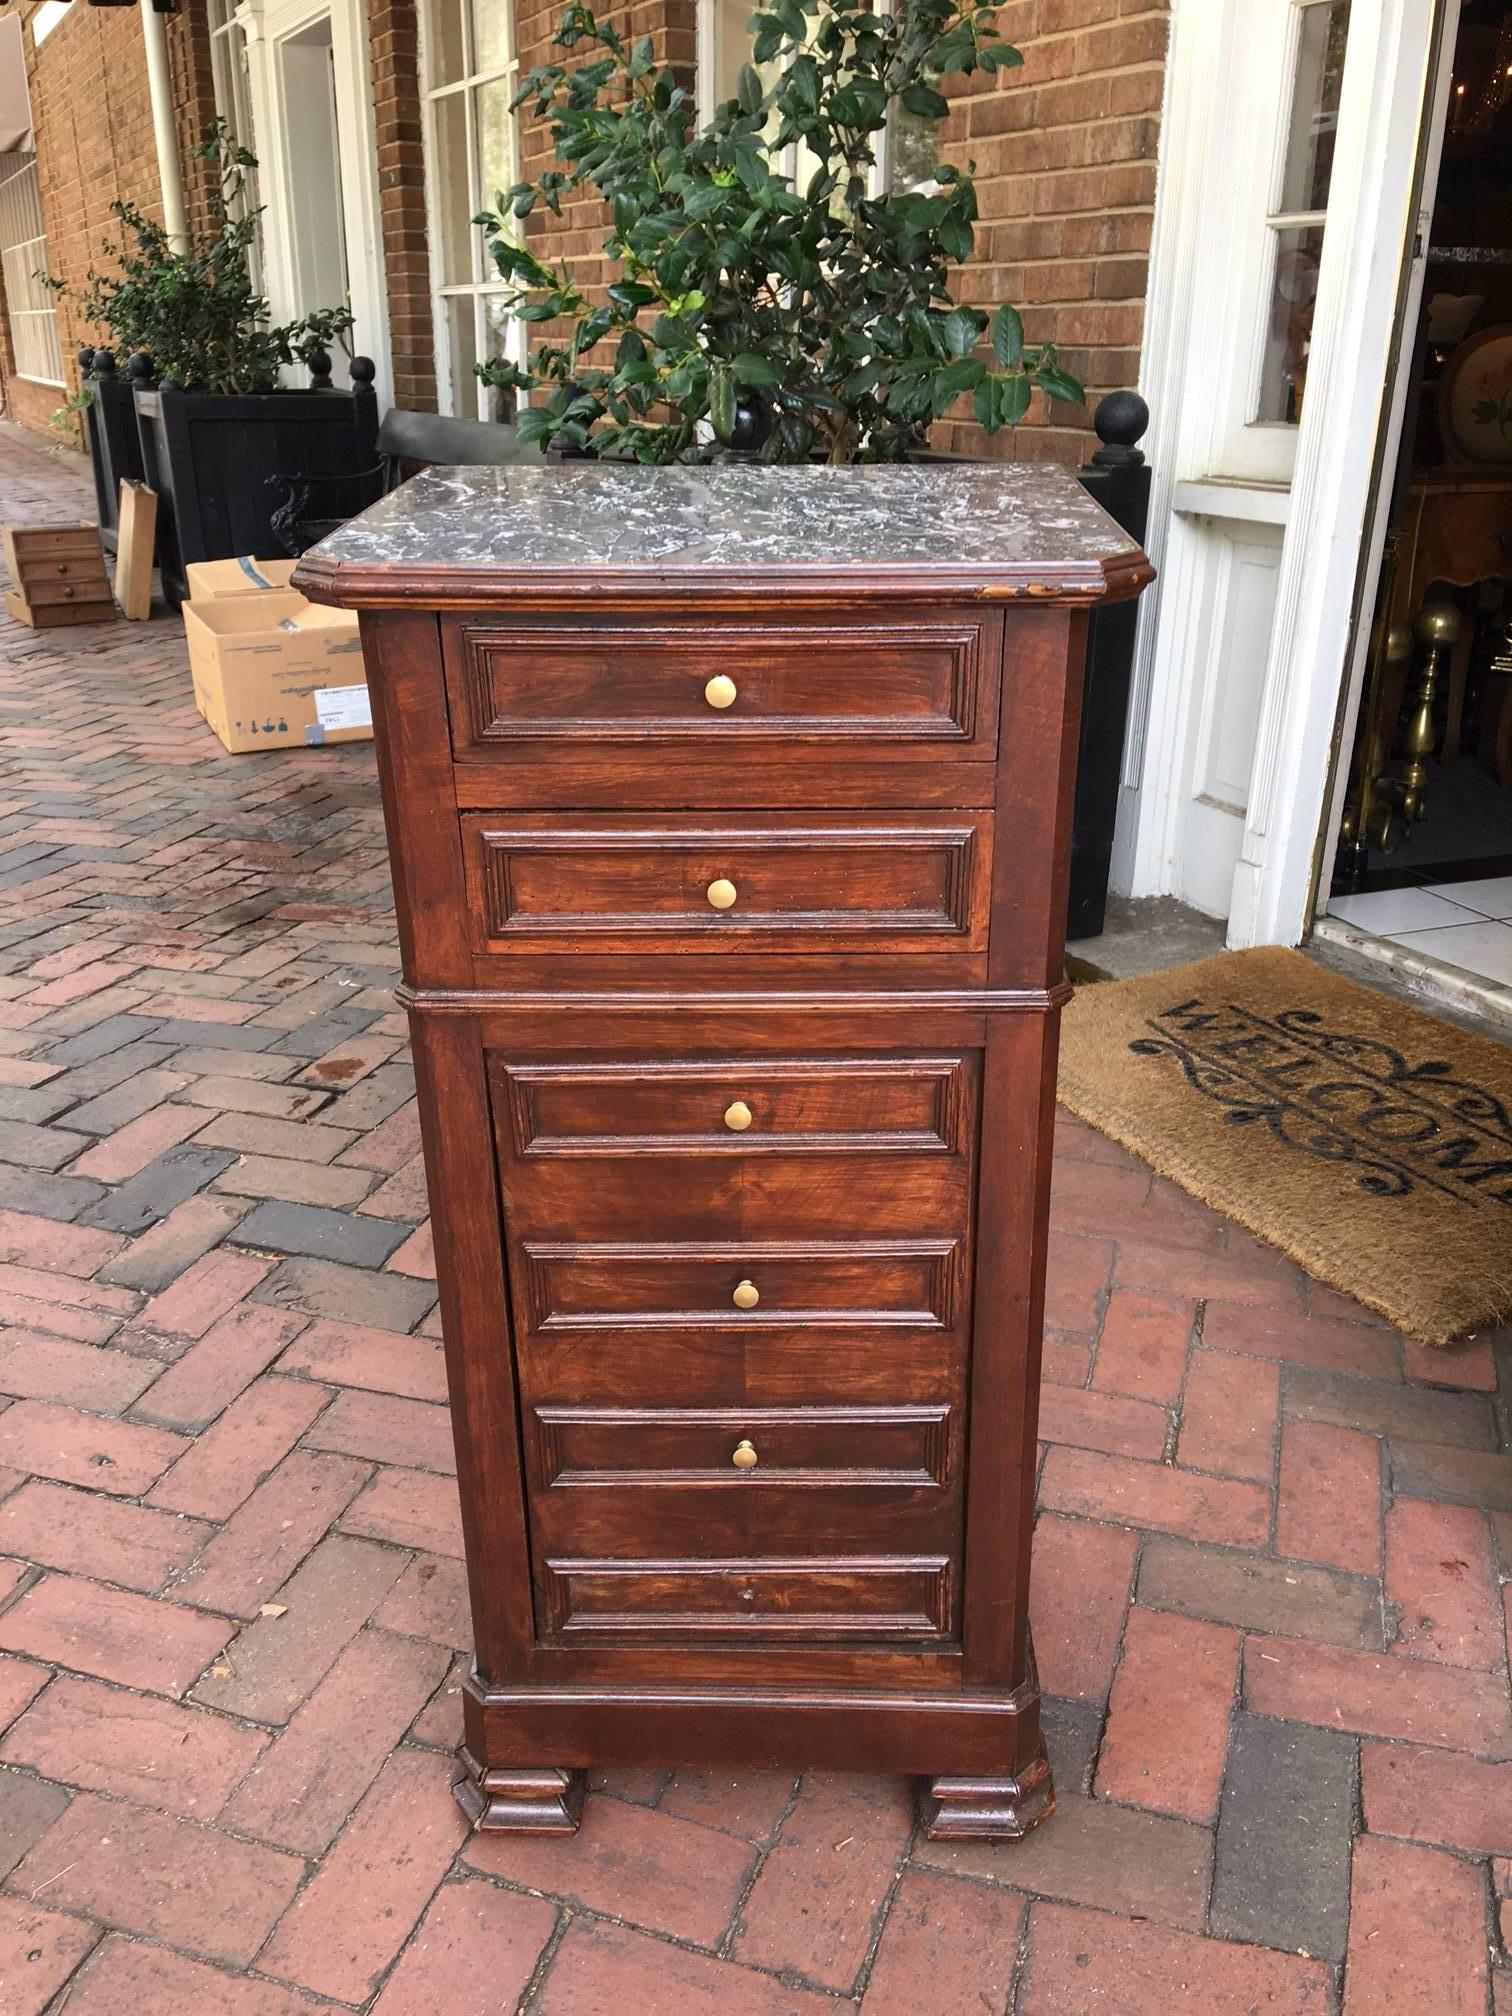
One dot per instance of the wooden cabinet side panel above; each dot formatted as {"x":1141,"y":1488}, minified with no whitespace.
{"x":1043,"y":654}
{"x":412,"y":736}
{"x":1017,"y":1136}
{"x":462,"y":1178}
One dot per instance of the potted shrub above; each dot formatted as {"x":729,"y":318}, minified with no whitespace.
{"x":747,"y":312}
{"x":219,"y":428}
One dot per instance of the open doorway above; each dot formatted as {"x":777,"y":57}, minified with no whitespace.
{"x":1423,"y":864}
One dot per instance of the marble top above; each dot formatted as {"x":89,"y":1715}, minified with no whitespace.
{"x":992,"y":520}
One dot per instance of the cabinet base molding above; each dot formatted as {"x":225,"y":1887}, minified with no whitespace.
{"x":982,"y":1757}
{"x":989,"y":1809}
{"x":512,"y":1800}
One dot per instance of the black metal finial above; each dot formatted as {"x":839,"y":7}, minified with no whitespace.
{"x":362,"y":371}
{"x":1121,"y":420}
{"x":318,"y":364}
{"x":139,"y":367}
{"x":84,"y":357}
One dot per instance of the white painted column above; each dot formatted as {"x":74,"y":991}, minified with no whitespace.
{"x":165,"y":127}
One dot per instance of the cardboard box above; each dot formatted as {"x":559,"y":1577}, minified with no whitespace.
{"x":210,"y":579}
{"x":273,"y":671}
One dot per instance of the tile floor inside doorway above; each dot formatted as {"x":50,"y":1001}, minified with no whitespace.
{"x":1465,"y":924}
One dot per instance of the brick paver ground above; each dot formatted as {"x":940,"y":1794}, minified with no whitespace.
{"x":1268,"y":1593}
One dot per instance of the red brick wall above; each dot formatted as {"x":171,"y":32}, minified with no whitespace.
{"x":394,"y":38}
{"x":1065,"y":169}
{"x":93,"y":121}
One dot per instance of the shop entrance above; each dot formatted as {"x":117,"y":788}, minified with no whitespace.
{"x":1422,"y":870}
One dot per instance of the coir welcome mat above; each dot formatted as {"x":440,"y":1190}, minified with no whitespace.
{"x":1369,"y":1141}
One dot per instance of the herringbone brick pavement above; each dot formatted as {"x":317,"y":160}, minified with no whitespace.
{"x":1268,"y":1591}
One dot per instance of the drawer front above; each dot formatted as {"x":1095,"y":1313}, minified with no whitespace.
{"x":713,"y":1482}
{"x":744,"y":1449}
{"x":743,"y":1106}
{"x":615,"y":1286}
{"x":51,"y":587}
{"x":923,"y":690}
{"x":913,"y":882}
{"x":750,"y":1600}
{"x":743,"y":1366}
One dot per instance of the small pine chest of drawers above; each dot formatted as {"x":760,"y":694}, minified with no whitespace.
{"x":728,"y":811}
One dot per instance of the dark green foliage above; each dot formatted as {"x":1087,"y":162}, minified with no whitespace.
{"x":825,"y":307}
{"x":196,"y":312}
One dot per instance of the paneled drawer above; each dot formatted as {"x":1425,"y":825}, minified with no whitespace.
{"x":750,"y":1600}
{"x":910,"y":883}
{"x":714,"y":1482}
{"x":742,"y":1448}
{"x":561,"y":1288}
{"x":739,"y":1106}
{"x":923,"y":688}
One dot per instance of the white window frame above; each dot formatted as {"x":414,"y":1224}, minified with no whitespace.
{"x":1278,"y":219}
{"x":231,"y":80}
{"x":466,"y":400}
{"x":36,"y":347}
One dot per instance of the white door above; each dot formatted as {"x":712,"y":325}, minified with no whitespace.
{"x":318,"y":171}
{"x":1288,"y":156}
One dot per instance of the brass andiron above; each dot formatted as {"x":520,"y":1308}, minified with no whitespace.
{"x":1438,"y":629}
{"x":1370,"y":808}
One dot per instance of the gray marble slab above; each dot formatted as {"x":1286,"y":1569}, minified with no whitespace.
{"x":959,"y":517}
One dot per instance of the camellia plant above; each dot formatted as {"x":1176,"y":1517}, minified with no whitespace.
{"x":748,"y":311}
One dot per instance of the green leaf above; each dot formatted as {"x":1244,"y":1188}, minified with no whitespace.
{"x":533,"y":424}
{"x":923,"y":102}
{"x":703,"y":202}
{"x":1008,"y":338}
{"x":752,"y":370}
{"x":963,"y":376}
{"x":748,"y":90}
{"x":961,"y":330}
{"x":1058,"y":384}
{"x":722,"y":402}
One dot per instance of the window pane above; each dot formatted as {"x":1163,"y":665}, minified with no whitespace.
{"x":461,"y":326}
{"x":446,"y":58}
{"x":490,"y":20}
{"x":1315,"y":107}
{"x":452,"y":178}
{"x":913,"y":149}
{"x":495,"y":122}
{"x":1288,"y":339}
{"x":732,"y":46}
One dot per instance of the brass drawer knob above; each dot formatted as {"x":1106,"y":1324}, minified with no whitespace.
{"x":745,"y":1457}
{"x":746,"y":1295}
{"x":721,"y":691}
{"x":737,"y":1116}
{"x":721,"y":893}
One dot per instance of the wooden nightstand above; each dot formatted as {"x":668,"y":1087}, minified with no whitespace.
{"x":728,"y":811}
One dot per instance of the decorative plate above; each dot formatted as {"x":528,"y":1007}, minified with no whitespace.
{"x":1475,"y":399}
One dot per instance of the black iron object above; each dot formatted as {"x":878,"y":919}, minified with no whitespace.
{"x":111,"y":430}
{"x":1119,"y":478}
{"x":212,"y":457}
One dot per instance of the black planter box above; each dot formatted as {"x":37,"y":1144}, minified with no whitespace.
{"x":212,"y":458}
{"x":115,"y":450}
